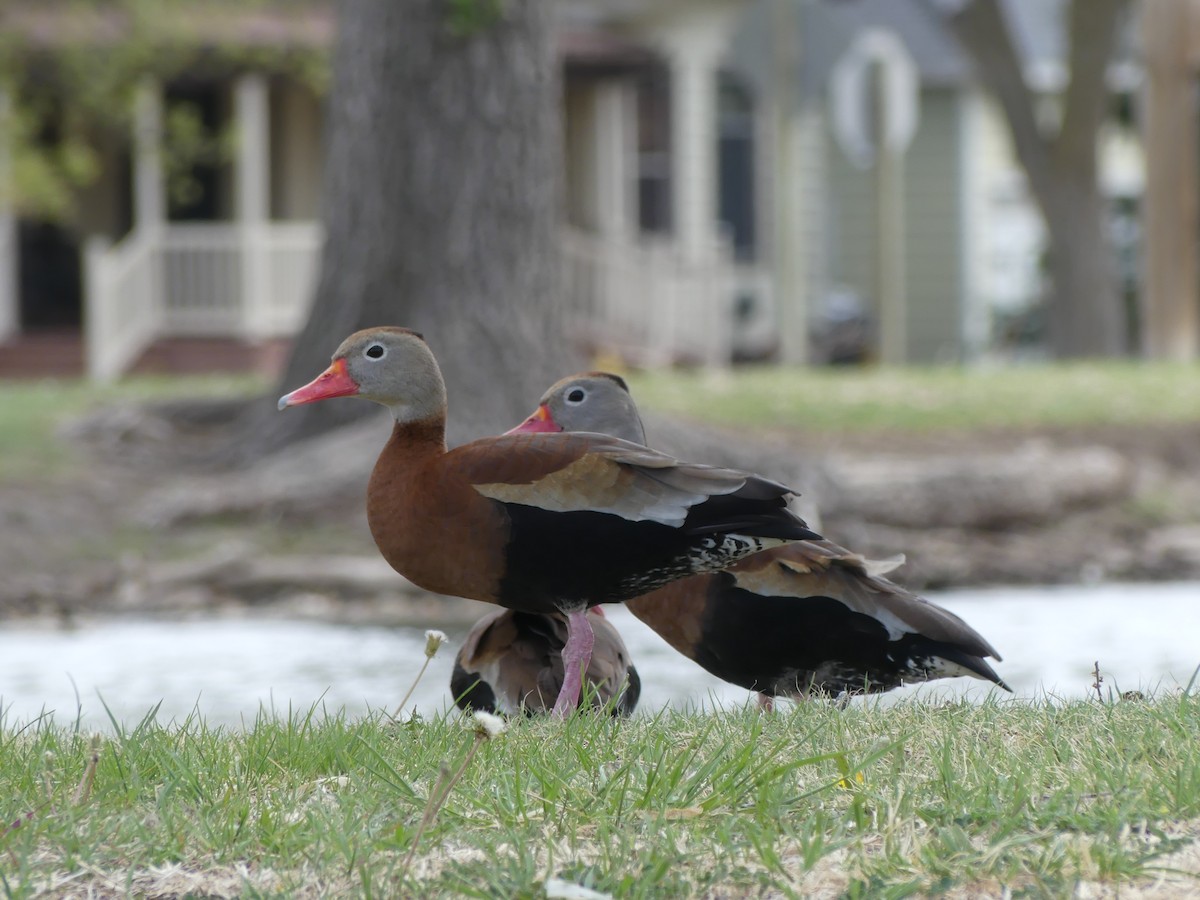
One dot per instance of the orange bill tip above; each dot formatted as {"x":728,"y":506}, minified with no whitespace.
{"x":333,"y":382}
{"x":540,"y":421}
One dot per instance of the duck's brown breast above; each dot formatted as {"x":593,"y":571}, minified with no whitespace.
{"x":430,"y":524}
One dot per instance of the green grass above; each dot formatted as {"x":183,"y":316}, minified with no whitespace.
{"x":914,"y":799}
{"x":32,"y":411}
{"x":816,"y":400}
{"x":921,"y":399}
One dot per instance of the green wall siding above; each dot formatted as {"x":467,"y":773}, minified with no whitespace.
{"x":934,"y":229}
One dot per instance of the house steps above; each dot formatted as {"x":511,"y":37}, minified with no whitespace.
{"x":60,"y":354}
{"x":191,"y":356}
{"x":42,"y":354}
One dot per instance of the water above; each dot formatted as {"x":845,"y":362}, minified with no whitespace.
{"x":1145,"y":636}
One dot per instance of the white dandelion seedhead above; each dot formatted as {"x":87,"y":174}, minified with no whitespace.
{"x":487,"y":725}
{"x":433,"y":640}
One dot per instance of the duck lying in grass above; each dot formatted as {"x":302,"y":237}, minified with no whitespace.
{"x":511,"y":662}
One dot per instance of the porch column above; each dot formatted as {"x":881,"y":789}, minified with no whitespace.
{"x":10,"y":313}
{"x":786,"y":191}
{"x":611,"y":200}
{"x":149,"y":192}
{"x":703,"y":292}
{"x":693,"y":55}
{"x":251,"y":105}
{"x":615,"y":118}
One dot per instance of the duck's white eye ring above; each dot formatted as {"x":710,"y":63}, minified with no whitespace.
{"x":575,"y":396}
{"x":375,"y":351}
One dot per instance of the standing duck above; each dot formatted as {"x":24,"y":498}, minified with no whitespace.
{"x":539,"y":523}
{"x":802,"y":619}
{"x":512,"y":662}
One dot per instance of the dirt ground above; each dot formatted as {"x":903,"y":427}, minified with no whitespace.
{"x":1046,"y":506}
{"x":145,"y":521}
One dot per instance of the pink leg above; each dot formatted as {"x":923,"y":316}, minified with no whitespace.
{"x":766,"y":703}
{"x":576,"y":654}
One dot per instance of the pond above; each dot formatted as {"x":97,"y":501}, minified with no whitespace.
{"x":1145,"y":637}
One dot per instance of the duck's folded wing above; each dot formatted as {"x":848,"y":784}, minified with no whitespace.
{"x":574,"y":472}
{"x":823,"y":569}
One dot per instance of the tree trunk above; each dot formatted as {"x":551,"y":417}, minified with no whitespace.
{"x":1170,"y":294}
{"x":441,"y":208}
{"x":1086,"y":317}
{"x":1085,"y":312}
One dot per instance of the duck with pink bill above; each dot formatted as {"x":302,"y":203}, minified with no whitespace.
{"x":809,"y":618}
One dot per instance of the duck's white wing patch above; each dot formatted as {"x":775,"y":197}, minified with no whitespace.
{"x":654,"y":489}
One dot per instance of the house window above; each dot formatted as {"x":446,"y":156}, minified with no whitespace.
{"x":654,"y":150}
{"x":735,"y":155}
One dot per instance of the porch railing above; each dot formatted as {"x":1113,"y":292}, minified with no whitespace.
{"x":225,"y":280}
{"x":196,"y":280}
{"x":643,"y":299}
{"x":255,"y":282}
{"x":122,"y":310}
{"x":8,"y":274}
{"x":202,"y":280}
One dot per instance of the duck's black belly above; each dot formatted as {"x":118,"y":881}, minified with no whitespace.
{"x":556,"y":560}
{"x":795,"y":645}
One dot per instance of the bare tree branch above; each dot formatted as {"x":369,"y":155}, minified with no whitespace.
{"x":981,"y":28}
{"x":1086,"y":317}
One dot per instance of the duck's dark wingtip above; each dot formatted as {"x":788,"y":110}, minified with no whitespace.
{"x":983,"y":670}
{"x":471,"y":693}
{"x":629,"y":698}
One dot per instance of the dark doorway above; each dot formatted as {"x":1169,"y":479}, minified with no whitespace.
{"x":51,"y":283}
{"x":654,"y":150}
{"x":195,"y":195}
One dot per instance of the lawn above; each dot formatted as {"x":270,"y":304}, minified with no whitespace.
{"x":871,"y":801}
{"x":815,"y":400}
{"x":31,"y":411}
{"x":926,"y":398}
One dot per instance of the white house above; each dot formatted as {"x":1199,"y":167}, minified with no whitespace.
{"x":711,"y":214}
{"x":652,"y":272}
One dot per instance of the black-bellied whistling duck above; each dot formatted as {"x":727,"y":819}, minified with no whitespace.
{"x":809,"y":617}
{"x":538,"y":522}
{"x":511,"y":662}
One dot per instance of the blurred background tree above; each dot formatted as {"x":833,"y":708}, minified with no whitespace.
{"x":1086,"y":314}
{"x":441,"y":207}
